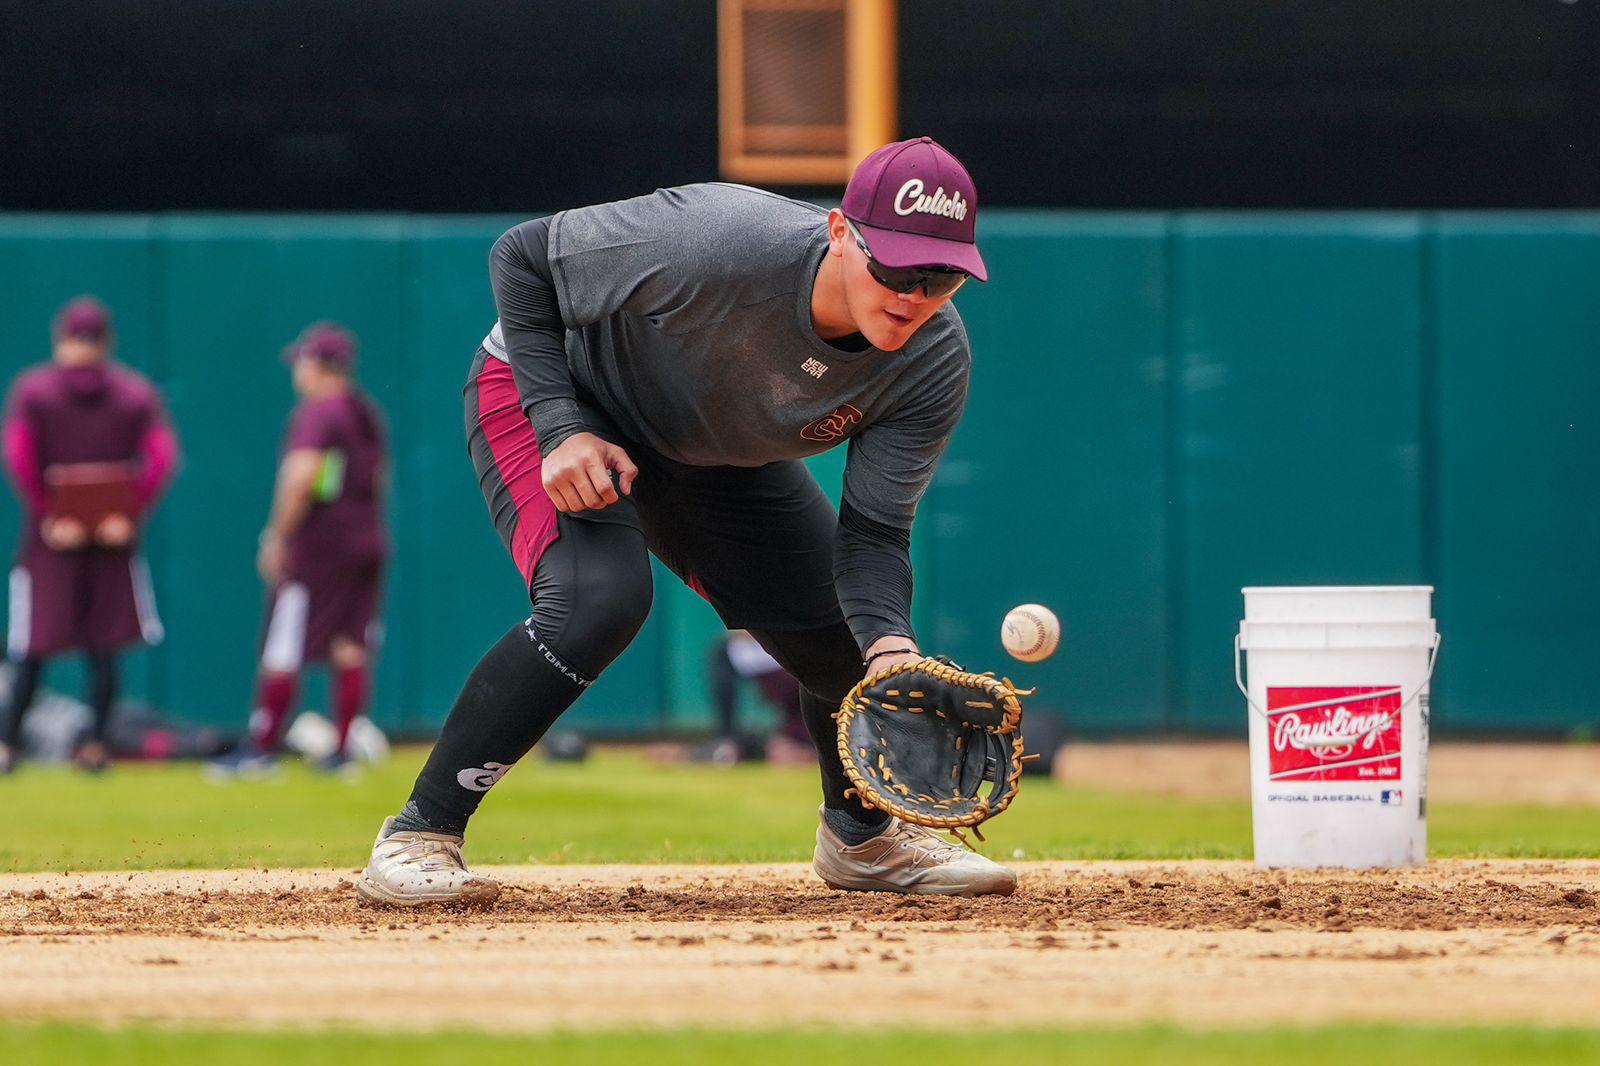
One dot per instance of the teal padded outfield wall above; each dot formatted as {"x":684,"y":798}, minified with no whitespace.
{"x":1164,"y":408}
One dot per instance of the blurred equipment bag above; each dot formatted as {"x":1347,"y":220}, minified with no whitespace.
{"x":933,"y":744}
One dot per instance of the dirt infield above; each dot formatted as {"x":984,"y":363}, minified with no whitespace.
{"x":1201,"y":943}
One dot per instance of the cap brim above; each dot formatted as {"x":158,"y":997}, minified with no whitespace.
{"x":894,"y":248}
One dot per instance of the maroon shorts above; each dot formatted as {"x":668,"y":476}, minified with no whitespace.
{"x":308,"y":613}
{"x":93,"y":599}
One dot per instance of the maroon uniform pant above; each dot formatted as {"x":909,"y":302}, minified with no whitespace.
{"x":95,"y":599}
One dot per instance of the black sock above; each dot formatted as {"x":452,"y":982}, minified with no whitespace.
{"x":850,"y":819}
{"x":102,"y":690}
{"x":724,"y":688}
{"x":591,"y":592}
{"x":510,"y":699}
{"x":825,"y":661}
{"x":24,"y":682}
{"x":848,"y":828}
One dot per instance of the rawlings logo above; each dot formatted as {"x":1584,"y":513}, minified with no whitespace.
{"x":1334,"y":734}
{"x":830,"y":428}
{"x":1332,"y":737}
{"x":482,"y":778}
{"x":910,"y":200}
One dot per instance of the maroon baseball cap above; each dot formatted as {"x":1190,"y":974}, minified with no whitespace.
{"x":917,"y":207}
{"x":326,"y":342}
{"x":83,"y":318}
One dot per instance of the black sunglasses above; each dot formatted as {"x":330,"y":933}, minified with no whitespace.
{"x":935,"y":282}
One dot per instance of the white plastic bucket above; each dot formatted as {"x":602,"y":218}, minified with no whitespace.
{"x":1338,"y":707}
{"x":1339,"y":603}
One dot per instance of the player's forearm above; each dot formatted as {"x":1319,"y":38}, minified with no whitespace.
{"x":534,"y":331}
{"x":872,"y":576}
{"x":288,"y":515}
{"x":158,"y":460}
{"x":22,"y":462}
{"x":291,"y":502}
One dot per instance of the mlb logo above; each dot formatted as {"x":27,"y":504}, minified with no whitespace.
{"x":1390,"y":797}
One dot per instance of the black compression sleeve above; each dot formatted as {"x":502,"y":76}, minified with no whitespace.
{"x":530,"y":319}
{"x":872,"y":573}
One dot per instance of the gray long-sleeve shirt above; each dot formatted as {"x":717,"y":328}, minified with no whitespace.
{"x":687,"y":316}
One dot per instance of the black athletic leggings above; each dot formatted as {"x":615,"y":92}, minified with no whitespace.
{"x":591,"y":591}
{"x":25,"y":683}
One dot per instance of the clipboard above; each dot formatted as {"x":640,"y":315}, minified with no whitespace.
{"x":92,"y":492}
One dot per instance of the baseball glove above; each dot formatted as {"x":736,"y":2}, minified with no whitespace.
{"x":933,"y":744}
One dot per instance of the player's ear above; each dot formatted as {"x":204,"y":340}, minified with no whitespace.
{"x":838,"y":232}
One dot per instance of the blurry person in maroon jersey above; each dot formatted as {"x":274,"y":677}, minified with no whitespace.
{"x":324,"y":549}
{"x":740,"y":657}
{"x":87,"y":423}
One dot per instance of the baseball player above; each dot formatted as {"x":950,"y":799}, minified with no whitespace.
{"x":660,"y":367}
{"x":740,"y":657}
{"x":80,"y":582}
{"x":323,"y":552}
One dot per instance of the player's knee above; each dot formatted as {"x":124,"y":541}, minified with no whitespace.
{"x":618,"y":599}
{"x":347,"y":654}
{"x":606,"y":611}
{"x":831,"y":684}
{"x":825,"y":661}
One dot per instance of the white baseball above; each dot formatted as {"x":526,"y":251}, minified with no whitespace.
{"x":1030,"y":632}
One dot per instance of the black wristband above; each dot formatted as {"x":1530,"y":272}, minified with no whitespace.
{"x":889,"y":651}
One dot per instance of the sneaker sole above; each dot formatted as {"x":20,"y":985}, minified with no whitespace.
{"x":476,"y":894}
{"x":994,"y":887}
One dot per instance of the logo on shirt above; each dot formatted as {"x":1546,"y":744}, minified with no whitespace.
{"x":815,"y":367}
{"x":910,"y":200}
{"x":830,"y":428}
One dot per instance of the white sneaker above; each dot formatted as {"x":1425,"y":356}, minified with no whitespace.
{"x":908,"y":858}
{"x":411,"y":869}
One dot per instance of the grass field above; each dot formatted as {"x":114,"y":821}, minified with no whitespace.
{"x":1376,"y":1046}
{"x":621,"y":808}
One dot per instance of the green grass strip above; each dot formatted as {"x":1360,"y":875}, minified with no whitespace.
{"x":621,"y":808}
{"x":1335,"y":1046}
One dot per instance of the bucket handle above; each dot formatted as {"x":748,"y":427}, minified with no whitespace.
{"x":1238,"y":676}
